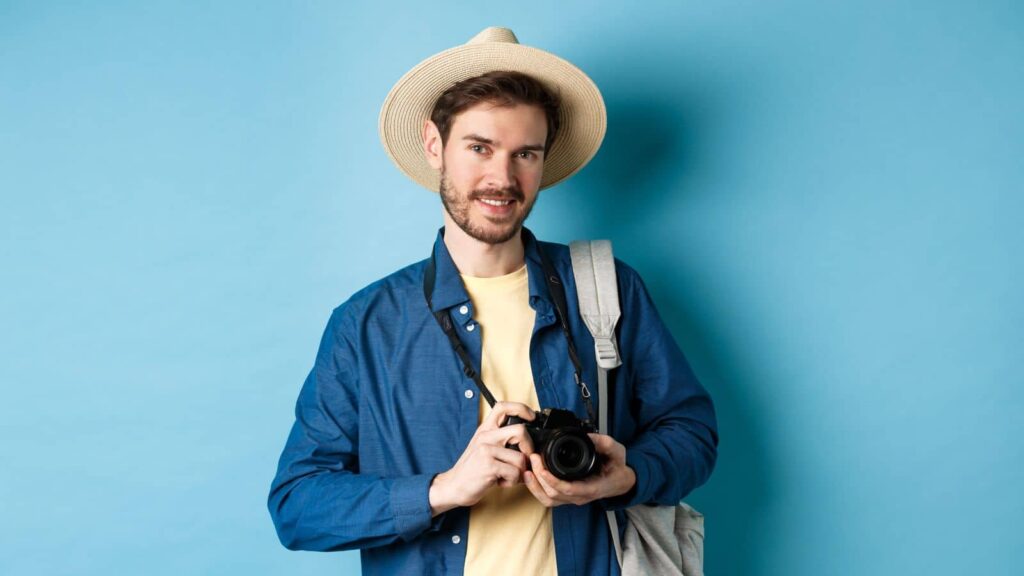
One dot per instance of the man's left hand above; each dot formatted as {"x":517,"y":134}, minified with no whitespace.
{"x":614,"y":479}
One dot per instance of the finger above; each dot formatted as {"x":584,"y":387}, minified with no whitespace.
{"x":522,"y":442}
{"x":502,"y":410}
{"x":560,"y":487}
{"x":515,"y":435}
{"x":506,"y":474}
{"x":537,"y":469}
{"x":575,"y":492}
{"x":534,"y":487}
{"x":508,"y":456}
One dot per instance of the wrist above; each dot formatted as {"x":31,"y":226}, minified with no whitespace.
{"x":438,"y":495}
{"x":624,"y":482}
{"x":631,"y":479}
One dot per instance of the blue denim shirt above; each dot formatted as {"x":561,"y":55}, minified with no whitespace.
{"x":387,"y":406}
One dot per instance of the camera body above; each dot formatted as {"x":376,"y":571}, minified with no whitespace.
{"x":561,"y":440}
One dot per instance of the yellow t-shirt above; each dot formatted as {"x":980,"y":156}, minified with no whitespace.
{"x":509,"y":530}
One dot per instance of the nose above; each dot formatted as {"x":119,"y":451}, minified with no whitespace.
{"x":500,"y":173}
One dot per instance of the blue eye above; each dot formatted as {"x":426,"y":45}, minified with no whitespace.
{"x":476,"y":148}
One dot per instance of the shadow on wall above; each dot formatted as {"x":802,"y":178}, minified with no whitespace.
{"x":651,"y":153}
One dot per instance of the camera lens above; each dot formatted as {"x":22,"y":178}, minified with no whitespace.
{"x":570,"y":455}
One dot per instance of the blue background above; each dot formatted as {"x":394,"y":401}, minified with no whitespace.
{"x":824,"y":198}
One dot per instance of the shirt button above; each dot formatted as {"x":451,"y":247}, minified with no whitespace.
{"x":471,"y":327}
{"x":464,"y":310}
{"x":468,"y":393}
{"x":456,"y":539}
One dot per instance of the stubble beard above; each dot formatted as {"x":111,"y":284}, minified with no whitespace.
{"x":458,"y":206}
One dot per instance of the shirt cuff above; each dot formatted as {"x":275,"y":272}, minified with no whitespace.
{"x":410,"y":501}
{"x":640,"y":492}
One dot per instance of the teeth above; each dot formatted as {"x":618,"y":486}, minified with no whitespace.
{"x":495,"y":202}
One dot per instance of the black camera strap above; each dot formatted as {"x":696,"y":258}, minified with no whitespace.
{"x":445,"y":321}
{"x":557,"y":291}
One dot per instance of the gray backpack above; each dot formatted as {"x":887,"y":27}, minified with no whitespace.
{"x":663,"y":540}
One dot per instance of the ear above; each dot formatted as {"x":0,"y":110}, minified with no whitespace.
{"x":432,"y":147}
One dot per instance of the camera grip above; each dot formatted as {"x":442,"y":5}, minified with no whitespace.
{"x":511,"y":420}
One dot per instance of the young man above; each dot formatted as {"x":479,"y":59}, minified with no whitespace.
{"x":396,"y":448}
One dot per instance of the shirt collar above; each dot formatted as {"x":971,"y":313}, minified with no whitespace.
{"x":449,"y":290}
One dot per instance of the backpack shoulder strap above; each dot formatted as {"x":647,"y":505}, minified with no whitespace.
{"x":593,"y":267}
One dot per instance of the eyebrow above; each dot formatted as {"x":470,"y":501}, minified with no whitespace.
{"x":482,"y":140}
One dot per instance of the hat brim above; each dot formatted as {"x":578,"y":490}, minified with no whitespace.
{"x":582,"y":115}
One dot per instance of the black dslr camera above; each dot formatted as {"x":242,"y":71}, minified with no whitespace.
{"x":561,"y":439}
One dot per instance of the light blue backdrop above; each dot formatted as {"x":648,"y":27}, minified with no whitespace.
{"x":824,"y":198}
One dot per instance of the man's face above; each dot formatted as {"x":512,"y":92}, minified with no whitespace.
{"x":491,"y":169}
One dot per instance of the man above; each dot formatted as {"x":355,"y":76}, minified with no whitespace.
{"x":396,"y":448}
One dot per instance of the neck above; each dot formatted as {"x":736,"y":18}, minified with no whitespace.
{"x":480,"y":259}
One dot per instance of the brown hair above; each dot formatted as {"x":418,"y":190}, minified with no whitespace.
{"x":501,"y":89}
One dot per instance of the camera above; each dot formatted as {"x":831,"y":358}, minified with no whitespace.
{"x":561,"y":440}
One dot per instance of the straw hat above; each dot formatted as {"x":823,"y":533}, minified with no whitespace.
{"x":412,"y":98}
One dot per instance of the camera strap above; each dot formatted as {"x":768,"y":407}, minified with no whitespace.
{"x":557,"y":291}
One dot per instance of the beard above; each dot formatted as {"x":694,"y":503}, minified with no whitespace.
{"x":486,"y":228}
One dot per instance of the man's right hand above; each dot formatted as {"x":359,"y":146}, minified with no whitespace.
{"x":485,"y":461}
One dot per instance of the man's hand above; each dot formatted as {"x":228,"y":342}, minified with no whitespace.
{"x":614,"y":479}
{"x":486,"y":461}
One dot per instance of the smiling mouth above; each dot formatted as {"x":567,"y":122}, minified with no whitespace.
{"x":494,"y":202}
{"x":497,"y":209}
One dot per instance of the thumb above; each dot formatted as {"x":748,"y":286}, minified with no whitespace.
{"x":604,"y":444}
